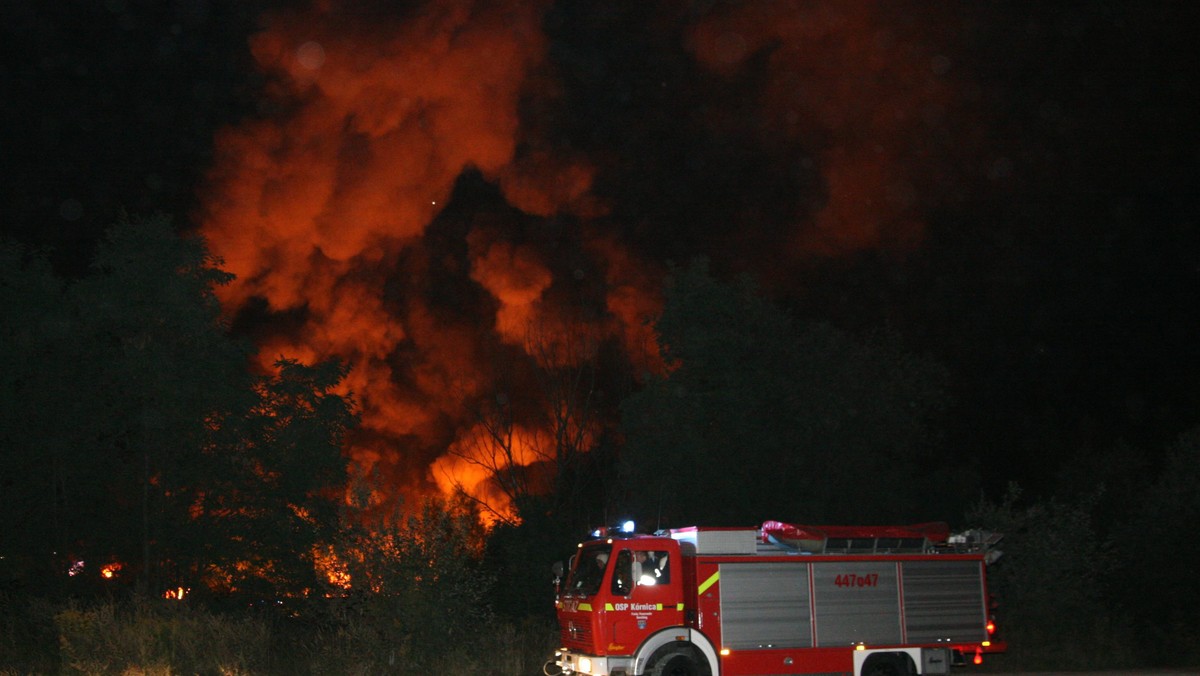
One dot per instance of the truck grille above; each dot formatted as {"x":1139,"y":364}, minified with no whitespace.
{"x":577,"y":635}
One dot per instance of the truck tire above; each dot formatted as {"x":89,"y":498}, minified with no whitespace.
{"x":886,"y":665}
{"x":678,"y":663}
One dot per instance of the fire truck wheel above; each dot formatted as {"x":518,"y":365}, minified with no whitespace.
{"x":678,"y":663}
{"x":886,"y":665}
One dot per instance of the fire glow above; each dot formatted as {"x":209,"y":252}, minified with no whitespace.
{"x":325,"y":212}
{"x":335,"y":570}
{"x":320,"y":212}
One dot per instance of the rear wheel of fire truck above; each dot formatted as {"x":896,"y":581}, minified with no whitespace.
{"x":888,"y":664}
{"x":679,"y":662}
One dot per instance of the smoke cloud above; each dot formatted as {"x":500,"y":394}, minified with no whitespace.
{"x":425,"y":187}
{"x":864,"y":88}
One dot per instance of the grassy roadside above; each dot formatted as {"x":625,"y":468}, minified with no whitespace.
{"x":165,"y":638}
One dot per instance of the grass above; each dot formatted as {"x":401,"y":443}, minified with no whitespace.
{"x":161,"y":638}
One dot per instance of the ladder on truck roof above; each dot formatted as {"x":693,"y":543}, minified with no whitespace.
{"x":775,"y":537}
{"x":913,"y":539}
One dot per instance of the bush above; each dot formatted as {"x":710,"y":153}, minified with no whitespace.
{"x":150,"y":638}
{"x":28,"y":638}
{"x":1053,"y":611}
{"x":1154,"y":581}
{"x":506,"y":649}
{"x":498,"y":649}
{"x":420,"y":604}
{"x":159,"y":638}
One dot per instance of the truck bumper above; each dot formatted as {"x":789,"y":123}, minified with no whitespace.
{"x":592,"y":665}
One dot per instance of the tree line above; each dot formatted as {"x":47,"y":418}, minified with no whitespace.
{"x":135,"y":434}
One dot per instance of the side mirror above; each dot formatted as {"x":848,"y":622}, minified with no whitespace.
{"x":557,"y":569}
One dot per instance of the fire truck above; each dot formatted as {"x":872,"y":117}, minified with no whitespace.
{"x":778,"y":599}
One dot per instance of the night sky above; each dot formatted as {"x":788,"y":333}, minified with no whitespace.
{"x":1010,"y":187}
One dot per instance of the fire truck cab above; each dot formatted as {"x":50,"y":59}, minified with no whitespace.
{"x":780,"y":599}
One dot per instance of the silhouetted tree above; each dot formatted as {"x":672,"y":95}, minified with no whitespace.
{"x":414,"y":586}
{"x":39,"y":344}
{"x":540,"y":440}
{"x":159,"y":369}
{"x":1049,"y":583}
{"x":536,"y":450}
{"x":135,"y":434}
{"x":271,"y":497}
{"x":1156,"y":549}
{"x":762,"y":416}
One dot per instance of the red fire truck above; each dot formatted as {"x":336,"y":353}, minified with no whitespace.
{"x":780,"y":599}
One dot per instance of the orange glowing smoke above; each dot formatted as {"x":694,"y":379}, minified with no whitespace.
{"x":320,"y":210}
{"x":859,"y":83}
{"x":332,"y":209}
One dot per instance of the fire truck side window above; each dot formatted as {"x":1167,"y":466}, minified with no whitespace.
{"x":639,"y":568}
{"x":650,"y":568}
{"x":622,"y":580}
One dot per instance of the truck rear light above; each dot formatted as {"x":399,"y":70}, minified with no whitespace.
{"x":978,"y":656}
{"x":991,"y":627}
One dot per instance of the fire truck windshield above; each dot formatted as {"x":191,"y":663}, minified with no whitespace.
{"x":588,"y":572}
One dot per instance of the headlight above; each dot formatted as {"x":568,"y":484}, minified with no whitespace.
{"x":585,"y":665}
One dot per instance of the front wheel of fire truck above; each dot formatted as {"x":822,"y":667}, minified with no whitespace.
{"x":679,"y":663}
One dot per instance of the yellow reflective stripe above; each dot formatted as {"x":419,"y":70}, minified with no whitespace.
{"x":587,"y":607}
{"x":709,"y":582}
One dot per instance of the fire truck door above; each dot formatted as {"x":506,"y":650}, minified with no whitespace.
{"x":645,"y":598}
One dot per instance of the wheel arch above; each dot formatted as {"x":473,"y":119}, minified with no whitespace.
{"x":675,"y":637}
{"x":905,"y":660}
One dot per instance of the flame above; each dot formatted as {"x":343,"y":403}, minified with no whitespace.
{"x":109,"y":570}
{"x":335,"y":570}
{"x":484,"y":460}
{"x":226,"y":578}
